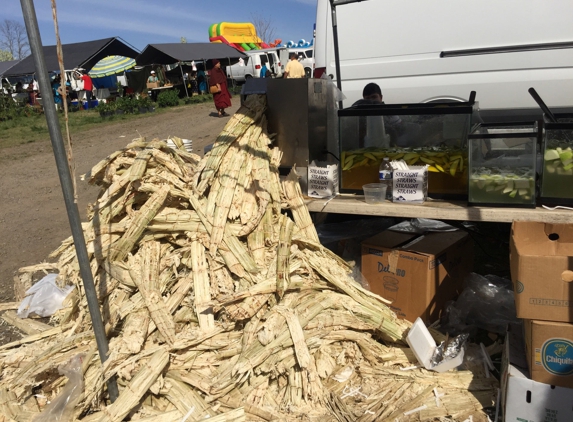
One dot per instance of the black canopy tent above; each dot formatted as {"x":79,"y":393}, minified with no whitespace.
{"x":187,"y":52}
{"x":166,"y":54}
{"x":5,"y":66}
{"x":82,"y":54}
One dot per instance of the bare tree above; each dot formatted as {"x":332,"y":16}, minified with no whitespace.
{"x":13,"y":38}
{"x":264,"y":27}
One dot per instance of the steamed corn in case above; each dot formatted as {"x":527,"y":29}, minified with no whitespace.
{"x":447,"y":166}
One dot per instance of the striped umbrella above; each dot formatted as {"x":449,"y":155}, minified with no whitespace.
{"x":111,"y":65}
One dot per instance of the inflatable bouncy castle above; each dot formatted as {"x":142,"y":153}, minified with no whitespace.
{"x":300,"y":44}
{"x":242,"y":36}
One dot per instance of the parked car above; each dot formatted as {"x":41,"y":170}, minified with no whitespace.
{"x":252,"y":64}
{"x":420,"y":52}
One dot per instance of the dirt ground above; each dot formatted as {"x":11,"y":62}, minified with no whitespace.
{"x":33,"y":218}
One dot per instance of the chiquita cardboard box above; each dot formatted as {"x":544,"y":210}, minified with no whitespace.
{"x":541,"y":259}
{"x":549,"y":348}
{"x":418,"y":273}
{"x":525,"y":400}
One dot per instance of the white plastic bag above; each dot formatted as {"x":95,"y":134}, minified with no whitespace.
{"x":44,"y":298}
{"x":61,"y":409}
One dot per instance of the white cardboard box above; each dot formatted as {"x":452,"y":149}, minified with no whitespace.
{"x":525,"y":400}
{"x":410,"y":186}
{"x":322,"y":180}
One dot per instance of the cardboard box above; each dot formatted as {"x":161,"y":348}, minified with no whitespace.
{"x":419,"y":273}
{"x":549,"y":347}
{"x":540,"y":255}
{"x":151,"y":85}
{"x":524,"y":399}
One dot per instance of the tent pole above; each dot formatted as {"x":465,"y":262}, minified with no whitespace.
{"x":183,"y":77}
{"x":67,"y":186}
{"x":206,"y":75}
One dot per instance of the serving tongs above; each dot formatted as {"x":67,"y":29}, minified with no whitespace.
{"x":543,"y":106}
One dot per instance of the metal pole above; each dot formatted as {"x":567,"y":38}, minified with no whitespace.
{"x":336,"y":51}
{"x":184,"y":81}
{"x":67,"y":188}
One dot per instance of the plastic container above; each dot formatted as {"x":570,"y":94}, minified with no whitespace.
{"x":502,"y":164}
{"x":433,"y":133}
{"x":423,"y":345}
{"x":374,"y":193}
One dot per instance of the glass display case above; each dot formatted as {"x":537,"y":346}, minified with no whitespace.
{"x":557,"y":174}
{"x":502,"y":164}
{"x":434,"y":134}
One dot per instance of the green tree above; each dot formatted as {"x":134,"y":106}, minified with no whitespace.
{"x":5,"y":56}
{"x":183,"y":40}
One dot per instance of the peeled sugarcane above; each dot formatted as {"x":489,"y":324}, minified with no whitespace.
{"x":255,"y":329}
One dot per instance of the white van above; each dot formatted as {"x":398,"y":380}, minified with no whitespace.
{"x":252,"y":64}
{"x":424,"y":51}
{"x":306,"y":58}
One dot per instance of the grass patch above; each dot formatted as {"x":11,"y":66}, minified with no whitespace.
{"x":24,"y":130}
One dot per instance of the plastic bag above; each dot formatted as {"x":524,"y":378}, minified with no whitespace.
{"x":61,"y":409}
{"x":486,"y":302}
{"x":44,"y":298}
{"x":422,"y":225}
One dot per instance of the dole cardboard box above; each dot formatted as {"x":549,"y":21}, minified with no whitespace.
{"x":418,"y":273}
{"x":541,"y":255}
{"x":151,"y":85}
{"x":549,"y":347}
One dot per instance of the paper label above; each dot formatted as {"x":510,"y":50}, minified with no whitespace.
{"x":385,"y":175}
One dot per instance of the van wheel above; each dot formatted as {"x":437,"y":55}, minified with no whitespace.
{"x":248,"y":76}
{"x":307,"y":72}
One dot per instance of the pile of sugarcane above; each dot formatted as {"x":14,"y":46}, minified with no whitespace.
{"x":220,"y":302}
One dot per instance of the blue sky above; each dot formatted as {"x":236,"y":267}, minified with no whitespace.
{"x":142,"y":22}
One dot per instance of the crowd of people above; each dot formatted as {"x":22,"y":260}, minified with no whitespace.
{"x":196,"y":82}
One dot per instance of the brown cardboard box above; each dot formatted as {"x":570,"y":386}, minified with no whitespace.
{"x":524,"y":399}
{"x":419,"y":273}
{"x":151,"y":85}
{"x":539,"y":255}
{"x":549,"y":347}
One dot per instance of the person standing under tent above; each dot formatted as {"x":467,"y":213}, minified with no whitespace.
{"x":88,"y":87}
{"x":222,"y":98}
{"x":201,"y":81}
{"x":153,"y":77}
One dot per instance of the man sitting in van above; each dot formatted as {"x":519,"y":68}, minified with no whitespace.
{"x":293,"y":68}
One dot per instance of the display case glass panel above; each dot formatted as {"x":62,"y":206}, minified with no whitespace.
{"x":502,"y":164}
{"x":557,"y":174}
{"x":433,"y":134}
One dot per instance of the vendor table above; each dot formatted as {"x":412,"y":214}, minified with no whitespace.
{"x":155,"y":91}
{"x":437,"y":209}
